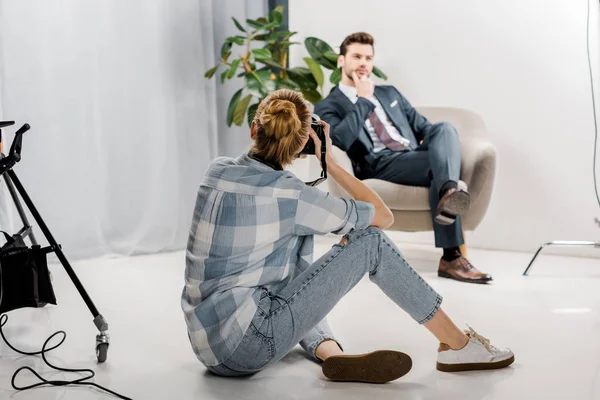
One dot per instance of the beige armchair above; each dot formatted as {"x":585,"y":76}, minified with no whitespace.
{"x":410,"y":204}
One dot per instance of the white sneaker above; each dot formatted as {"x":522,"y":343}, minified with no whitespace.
{"x":478,"y":354}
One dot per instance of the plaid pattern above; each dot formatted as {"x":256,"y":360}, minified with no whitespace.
{"x":252,"y":229}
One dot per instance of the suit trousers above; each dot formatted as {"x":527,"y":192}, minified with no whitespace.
{"x":432,"y":164}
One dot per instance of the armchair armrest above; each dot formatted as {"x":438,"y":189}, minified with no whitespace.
{"x":342,"y":159}
{"x":478,"y":166}
{"x":478,"y":171}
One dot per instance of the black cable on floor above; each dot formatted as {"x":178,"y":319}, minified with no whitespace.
{"x":81,"y":381}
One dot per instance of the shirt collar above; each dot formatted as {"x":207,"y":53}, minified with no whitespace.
{"x":274,"y":165}
{"x":349,"y":91}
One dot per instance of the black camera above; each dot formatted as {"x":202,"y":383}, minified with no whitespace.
{"x":310,"y":148}
{"x":319,"y":129}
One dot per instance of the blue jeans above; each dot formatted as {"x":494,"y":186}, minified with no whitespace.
{"x":297,"y":313}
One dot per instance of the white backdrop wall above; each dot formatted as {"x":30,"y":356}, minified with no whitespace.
{"x":123,"y":121}
{"x":521,"y":65}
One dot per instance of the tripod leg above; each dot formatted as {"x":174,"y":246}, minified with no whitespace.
{"x":561,"y":243}
{"x":22,"y":214}
{"x":533,"y":259}
{"x":99,"y":320}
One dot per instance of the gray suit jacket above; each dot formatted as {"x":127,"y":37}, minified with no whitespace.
{"x":347,"y":120}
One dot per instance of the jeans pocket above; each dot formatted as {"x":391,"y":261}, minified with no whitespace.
{"x":255,"y":351}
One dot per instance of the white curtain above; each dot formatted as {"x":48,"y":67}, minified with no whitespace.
{"x":123,"y":121}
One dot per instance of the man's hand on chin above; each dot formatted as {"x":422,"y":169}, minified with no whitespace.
{"x":364,"y":86}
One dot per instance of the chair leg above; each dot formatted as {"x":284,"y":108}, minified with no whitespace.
{"x":463,"y":247}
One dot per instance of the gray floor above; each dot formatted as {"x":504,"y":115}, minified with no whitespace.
{"x":550,"y":320}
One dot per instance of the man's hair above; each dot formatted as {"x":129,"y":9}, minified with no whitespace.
{"x":282,"y":123}
{"x":358,"y":37}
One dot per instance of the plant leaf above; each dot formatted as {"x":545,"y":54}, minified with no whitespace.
{"x":316,"y":70}
{"x":269,"y":79}
{"x":271,"y":63}
{"x":303,"y":77}
{"x":225,"y":48}
{"x":312,"y":95}
{"x":240,"y":110}
{"x":336,"y":76}
{"x":239,"y":26}
{"x":251,"y":113}
{"x":262,"y":21}
{"x":317,"y":49}
{"x":209,"y":74}
{"x":224,"y":75}
{"x":279,"y":8}
{"x":255,"y":24}
{"x":236,"y":39}
{"x":379,"y":73}
{"x":226,"y":56}
{"x":286,"y":43}
{"x":263,"y":37}
{"x":288,"y":83}
{"x":331,"y":56}
{"x":262,"y":54}
{"x":233,"y":105}
{"x":284,"y":34}
{"x":259,"y":83}
{"x":233,"y":69}
{"x":271,"y":25}
{"x":276,"y":16}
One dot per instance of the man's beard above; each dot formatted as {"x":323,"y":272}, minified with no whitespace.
{"x":349,"y":75}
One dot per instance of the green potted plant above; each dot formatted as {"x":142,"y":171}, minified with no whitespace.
{"x":265,"y":69}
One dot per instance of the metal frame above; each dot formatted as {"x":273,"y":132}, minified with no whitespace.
{"x":16,"y":189}
{"x":560,"y":243}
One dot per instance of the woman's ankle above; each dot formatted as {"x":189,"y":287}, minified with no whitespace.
{"x":460,"y":343}
{"x":328,"y":348}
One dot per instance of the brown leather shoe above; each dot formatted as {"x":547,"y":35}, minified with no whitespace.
{"x":454,"y":203}
{"x":462,"y":270}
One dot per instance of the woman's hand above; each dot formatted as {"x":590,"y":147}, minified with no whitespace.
{"x":328,"y":144}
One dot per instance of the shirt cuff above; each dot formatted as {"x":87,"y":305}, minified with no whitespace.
{"x":360,"y":214}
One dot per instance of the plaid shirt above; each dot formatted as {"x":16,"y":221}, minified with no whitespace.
{"x":252,"y":230}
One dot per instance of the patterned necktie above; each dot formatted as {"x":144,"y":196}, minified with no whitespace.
{"x":384,"y":135}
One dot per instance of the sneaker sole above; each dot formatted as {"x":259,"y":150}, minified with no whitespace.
{"x":377,"y":367}
{"x":474,"y":366}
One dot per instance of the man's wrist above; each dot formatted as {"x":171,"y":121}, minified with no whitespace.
{"x":365,"y":101}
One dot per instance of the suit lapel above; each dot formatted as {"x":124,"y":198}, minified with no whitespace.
{"x":396,"y":114}
{"x":347,"y":104}
{"x":385,"y":102}
{"x":341,"y":97}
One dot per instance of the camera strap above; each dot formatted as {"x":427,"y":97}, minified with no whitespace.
{"x":278,"y":167}
{"x":323,"y":165}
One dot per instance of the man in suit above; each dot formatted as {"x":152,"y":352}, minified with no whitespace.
{"x":386,"y":138}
